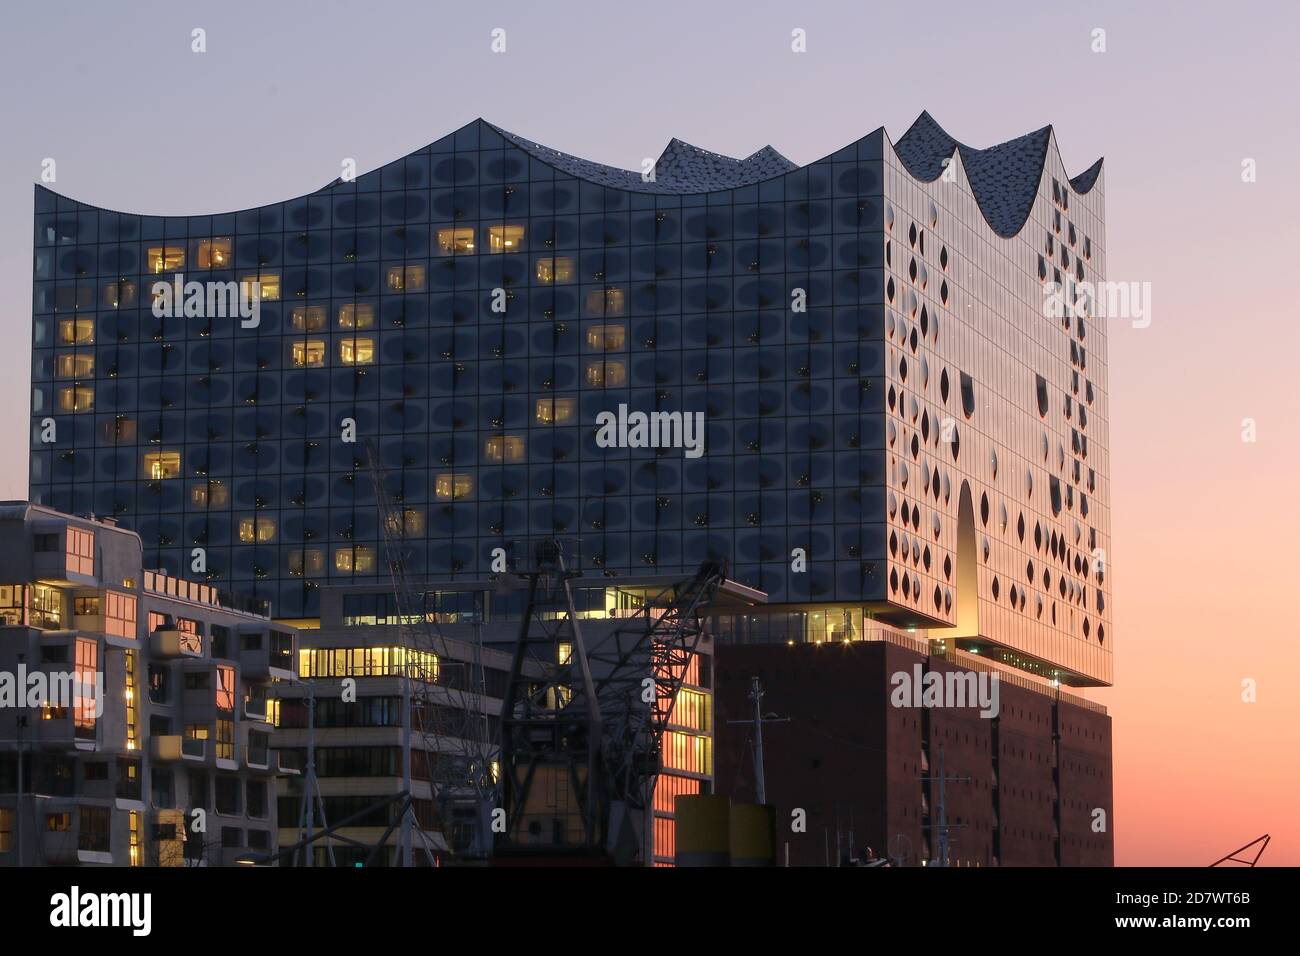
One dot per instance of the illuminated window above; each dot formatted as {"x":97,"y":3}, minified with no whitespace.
{"x":119,"y":614}
{"x":309,"y":354}
{"x":606,"y":374}
{"x":306,"y":561}
{"x":159,"y":465}
{"x":84,"y":694}
{"x":165,"y":258}
{"x":356,"y":560}
{"x":132,"y":699}
{"x":504,"y":448}
{"x":409,"y":522}
{"x":225,"y":688}
{"x":133,"y":822}
{"x":552,"y":269}
{"x":212,"y":493}
{"x":456,"y":242}
{"x":406,"y":278}
{"x":265,"y":287}
{"x":76,"y":398}
{"x":555,"y":411}
{"x":80,"y":552}
{"x":226,"y":734}
{"x":76,"y":331}
{"x":606,"y":301}
{"x":46,"y":608}
{"x":120,"y":294}
{"x":357,"y":351}
{"x":505,"y":238}
{"x":214,"y":253}
{"x":606,"y":338}
{"x":356,"y":315}
{"x":452,"y":486}
{"x":367,"y":662}
{"x":74,"y":365}
{"x":256,"y":530}
{"x":12,"y":605}
{"x":308,"y":318}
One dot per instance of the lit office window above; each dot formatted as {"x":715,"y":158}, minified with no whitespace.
{"x":265,"y":287}
{"x":555,"y":411}
{"x":505,"y":238}
{"x":74,"y":365}
{"x":456,"y":242}
{"x":356,"y":315}
{"x":406,"y":278}
{"x":606,"y":338}
{"x":451,"y":486}
{"x":256,"y":530}
{"x":409,"y":522}
{"x":357,"y":351}
{"x":165,"y":258}
{"x":307,"y":318}
{"x":606,"y":374}
{"x":214,"y":254}
{"x":76,"y":331}
{"x":354,"y":560}
{"x":551,"y":269}
{"x":504,"y":448}
{"x":76,"y":398}
{"x":212,"y":493}
{"x":309,"y":354}
{"x":606,"y":301}
{"x":162,"y":464}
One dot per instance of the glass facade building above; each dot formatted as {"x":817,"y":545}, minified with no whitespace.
{"x":893,"y":427}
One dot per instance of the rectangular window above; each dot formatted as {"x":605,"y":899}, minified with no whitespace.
{"x":265,"y":287}
{"x":358,"y":350}
{"x":307,"y":318}
{"x":406,"y":278}
{"x":505,"y":238}
{"x":76,"y":398}
{"x":606,"y":374}
{"x":80,"y":555}
{"x":456,"y":242}
{"x":136,"y":850}
{"x":225,"y":688}
{"x":606,"y":338}
{"x":160,"y":465}
{"x":553,"y":269}
{"x":120,"y":429}
{"x":367,"y":662}
{"x":6,"y":830}
{"x":606,"y":301}
{"x":257,"y":530}
{"x":75,"y":365}
{"x":121,"y":294}
{"x":165,"y":258}
{"x":46,"y":607}
{"x":94,"y":833}
{"x":357,"y":315}
{"x":129,"y":661}
{"x":86,"y":605}
{"x":226,"y":738}
{"x":504,"y":448}
{"x":355,"y":560}
{"x":306,"y":561}
{"x":58,"y":822}
{"x":84,"y":696}
{"x":409,"y":522}
{"x":119,"y":614}
{"x":210,"y":494}
{"x":308,"y":354}
{"x":76,"y":331}
{"x":214,"y":254}
{"x":450,"y":486}
{"x":555,"y":411}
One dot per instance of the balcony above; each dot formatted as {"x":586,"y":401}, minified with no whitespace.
{"x":174,"y":747}
{"x":173,"y":643}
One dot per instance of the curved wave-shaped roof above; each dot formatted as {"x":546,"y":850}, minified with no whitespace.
{"x":1004,"y":178}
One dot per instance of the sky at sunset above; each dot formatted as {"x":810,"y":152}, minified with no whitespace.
{"x":1203,"y":522}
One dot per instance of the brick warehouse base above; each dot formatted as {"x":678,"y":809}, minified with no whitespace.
{"x":854,"y":763}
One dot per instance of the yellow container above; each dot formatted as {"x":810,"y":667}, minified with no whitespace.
{"x":753,"y":835}
{"x":703,"y":830}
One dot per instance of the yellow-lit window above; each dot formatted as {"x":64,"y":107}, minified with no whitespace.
{"x":504,"y":448}
{"x":358,"y":350}
{"x":214,"y":254}
{"x":212,"y":493}
{"x":450,"y":486}
{"x":133,"y":825}
{"x":505,"y":238}
{"x":162,"y":464}
{"x":306,"y":561}
{"x":120,"y":294}
{"x":79,"y":553}
{"x":409,"y":521}
{"x":356,"y":315}
{"x":76,"y":398}
{"x":606,"y":338}
{"x":119,"y":614}
{"x":456,"y":242}
{"x":555,"y":411}
{"x":165,"y":258}
{"x":74,"y":365}
{"x":552,"y":269}
{"x":308,"y":318}
{"x":76,"y":331}
{"x":606,"y":374}
{"x":265,"y":287}
{"x":406,"y":278}
{"x":256,"y":530}
{"x":606,"y":301}
{"x":226,"y":736}
{"x":356,"y":560}
{"x":309,"y":354}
